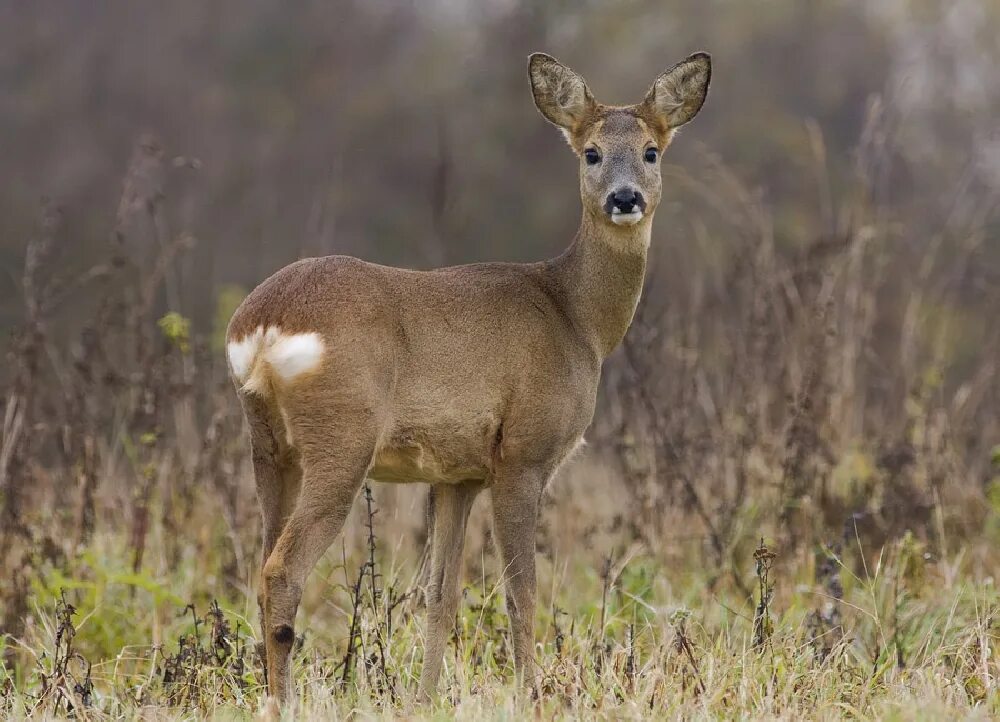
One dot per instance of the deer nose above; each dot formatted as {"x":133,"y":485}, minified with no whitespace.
{"x":624,"y":200}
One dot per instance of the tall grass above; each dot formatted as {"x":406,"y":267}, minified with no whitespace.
{"x":790,"y":506}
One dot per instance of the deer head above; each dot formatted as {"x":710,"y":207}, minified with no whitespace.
{"x":619,"y":147}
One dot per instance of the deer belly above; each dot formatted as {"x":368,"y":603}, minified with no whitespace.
{"x":411,"y":457}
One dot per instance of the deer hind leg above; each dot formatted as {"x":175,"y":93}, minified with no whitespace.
{"x":452,"y":503}
{"x":276,"y":513}
{"x":276,"y":470}
{"x":516,"y":494}
{"x":336,"y":446}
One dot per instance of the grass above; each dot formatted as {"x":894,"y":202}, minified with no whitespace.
{"x":790,"y":507}
{"x":893,"y":633}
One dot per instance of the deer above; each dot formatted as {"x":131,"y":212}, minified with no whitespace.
{"x":467,"y":378}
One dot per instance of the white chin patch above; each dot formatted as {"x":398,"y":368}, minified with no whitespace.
{"x":625,"y":219}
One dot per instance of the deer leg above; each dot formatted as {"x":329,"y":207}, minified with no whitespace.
{"x":266,"y":469}
{"x":452,"y":503}
{"x":516,"y":496}
{"x":334,"y":461}
{"x":278,"y":485}
{"x":278,"y":477}
{"x":290,"y":480}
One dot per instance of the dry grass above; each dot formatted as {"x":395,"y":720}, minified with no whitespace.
{"x":890,"y":633}
{"x":790,"y":507}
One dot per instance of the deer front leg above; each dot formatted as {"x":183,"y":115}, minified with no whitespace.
{"x":516,"y":496}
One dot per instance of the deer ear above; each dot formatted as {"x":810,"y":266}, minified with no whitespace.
{"x":560,"y":94}
{"x":678,"y":94}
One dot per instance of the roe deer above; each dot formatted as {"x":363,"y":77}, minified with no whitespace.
{"x":470,"y":377}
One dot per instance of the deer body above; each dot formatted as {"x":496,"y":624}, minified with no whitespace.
{"x":491,"y":353}
{"x":470,"y":377}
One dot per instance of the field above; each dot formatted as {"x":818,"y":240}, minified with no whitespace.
{"x":898,"y":632}
{"x":788,"y":506}
{"x":716,"y":563}
{"x":800,"y":520}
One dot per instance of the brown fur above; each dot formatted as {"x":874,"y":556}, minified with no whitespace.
{"x":468,"y":377}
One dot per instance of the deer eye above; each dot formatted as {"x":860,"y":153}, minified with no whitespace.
{"x":592,"y":156}
{"x":650,"y":155}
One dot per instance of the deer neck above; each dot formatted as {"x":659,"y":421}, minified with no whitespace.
{"x":601,"y":276}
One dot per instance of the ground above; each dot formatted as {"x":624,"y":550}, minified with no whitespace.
{"x":898,"y":632}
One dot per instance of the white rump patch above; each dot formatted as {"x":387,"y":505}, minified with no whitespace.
{"x":292,"y":355}
{"x":285,"y":355}
{"x":241,"y":355}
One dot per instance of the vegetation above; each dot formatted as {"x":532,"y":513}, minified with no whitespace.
{"x":789,"y":506}
{"x":908,"y":637}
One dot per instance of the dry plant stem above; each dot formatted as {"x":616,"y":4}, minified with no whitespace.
{"x":382,"y":636}
{"x":20,"y":406}
{"x":676,"y":468}
{"x":354,"y":632}
{"x":19,"y":440}
{"x":762,"y":624}
{"x":684,"y":645}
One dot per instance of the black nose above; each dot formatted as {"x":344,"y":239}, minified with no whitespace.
{"x":624,"y":200}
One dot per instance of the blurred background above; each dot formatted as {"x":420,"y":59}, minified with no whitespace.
{"x":815,"y":358}
{"x":405,"y":132}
